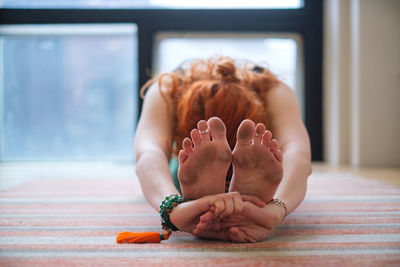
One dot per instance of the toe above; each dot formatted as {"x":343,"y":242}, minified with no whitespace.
{"x":217,"y":128}
{"x":196,"y":137}
{"x":204,"y":131}
{"x":187,"y":145}
{"x":182,"y":156}
{"x":274,"y":147}
{"x":266,"y":138}
{"x":260,"y":130}
{"x":278,"y":155}
{"x":245,"y":133}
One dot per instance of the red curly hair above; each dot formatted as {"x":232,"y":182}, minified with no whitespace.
{"x":215,"y":87}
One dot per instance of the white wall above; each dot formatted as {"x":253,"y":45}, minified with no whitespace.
{"x":362,"y":82}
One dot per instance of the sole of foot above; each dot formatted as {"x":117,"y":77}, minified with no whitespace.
{"x":204,"y":160}
{"x":257,"y":162}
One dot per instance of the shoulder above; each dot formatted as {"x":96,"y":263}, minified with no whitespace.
{"x":281,"y":97}
{"x":283,"y":110}
{"x":284,"y":117}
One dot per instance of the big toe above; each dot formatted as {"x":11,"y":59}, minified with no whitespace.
{"x":245,"y":133}
{"x":217,"y":128}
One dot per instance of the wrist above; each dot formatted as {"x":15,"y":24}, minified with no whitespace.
{"x":280,"y":207}
{"x":166,"y":208}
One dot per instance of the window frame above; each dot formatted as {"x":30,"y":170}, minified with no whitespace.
{"x":306,"y":21}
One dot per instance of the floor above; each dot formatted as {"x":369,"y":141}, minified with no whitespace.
{"x":68,"y":214}
{"x":15,"y":174}
{"x":387,"y":175}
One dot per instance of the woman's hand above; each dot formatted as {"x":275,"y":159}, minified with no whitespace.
{"x":254,"y":224}
{"x":186,"y":216}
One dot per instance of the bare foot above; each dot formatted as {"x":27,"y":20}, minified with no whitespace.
{"x":204,"y":160}
{"x":257,"y":162}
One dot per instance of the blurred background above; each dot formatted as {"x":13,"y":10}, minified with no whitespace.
{"x":70,"y":75}
{"x":71,"y":70}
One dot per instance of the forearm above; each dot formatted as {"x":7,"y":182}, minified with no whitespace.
{"x":296,"y":169}
{"x":154,"y":176}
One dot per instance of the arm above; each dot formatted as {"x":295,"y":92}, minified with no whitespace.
{"x":152,"y":148}
{"x":287,"y":127}
{"x":256,"y":223}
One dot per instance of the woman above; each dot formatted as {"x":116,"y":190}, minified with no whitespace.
{"x":223,"y":105}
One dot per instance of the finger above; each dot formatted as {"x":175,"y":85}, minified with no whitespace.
{"x":212,"y":209}
{"x":243,"y":235}
{"x":206,"y":217}
{"x":229,"y":206}
{"x":238,"y":204}
{"x":236,"y":236}
{"x":212,"y":226}
{"x":201,"y":226}
{"x":219,"y":206}
{"x":227,"y":223}
{"x":250,"y":239}
{"x":196,"y":231}
{"x":253,"y":199}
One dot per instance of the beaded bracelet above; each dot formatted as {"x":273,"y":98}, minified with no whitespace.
{"x":166,"y":207}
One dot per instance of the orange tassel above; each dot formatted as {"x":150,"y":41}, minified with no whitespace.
{"x":149,"y":237}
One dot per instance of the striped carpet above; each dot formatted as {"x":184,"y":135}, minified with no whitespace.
{"x":345,"y":220}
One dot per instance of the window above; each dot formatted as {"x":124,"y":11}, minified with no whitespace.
{"x":178,"y":4}
{"x":281,"y":53}
{"x":68,"y":92}
{"x":298,"y":26}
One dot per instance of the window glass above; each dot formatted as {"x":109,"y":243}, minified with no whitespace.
{"x":173,"y":4}
{"x":281,"y":53}
{"x":68,"y":92}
